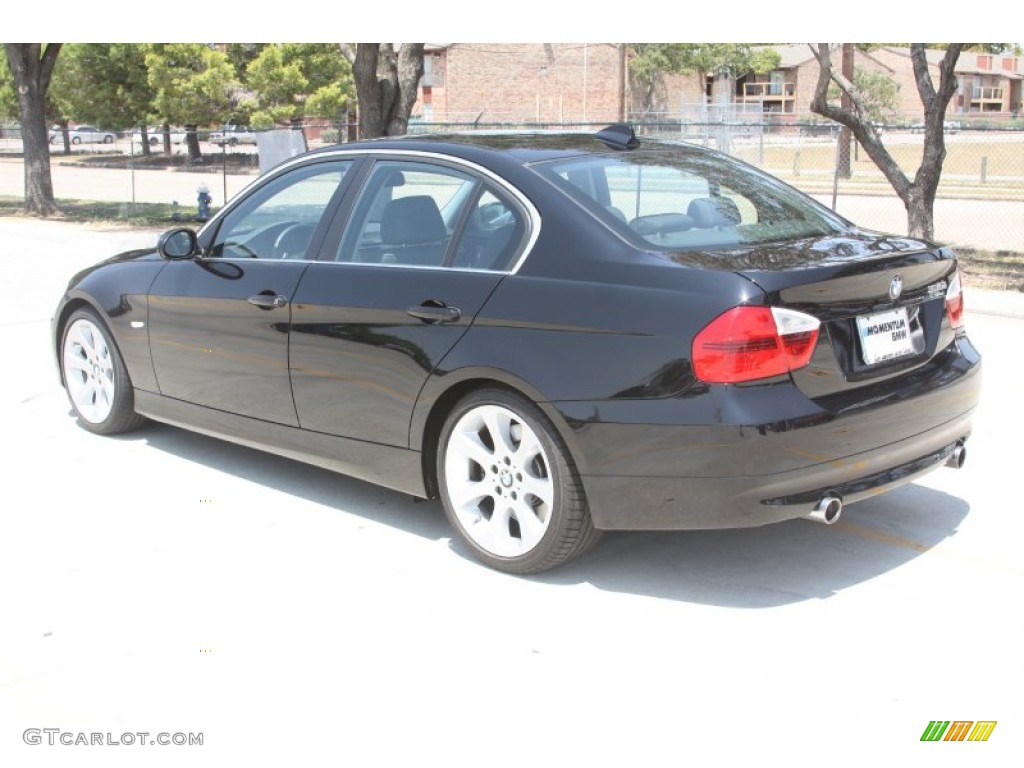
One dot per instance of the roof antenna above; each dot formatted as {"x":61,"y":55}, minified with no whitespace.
{"x":619,"y":136}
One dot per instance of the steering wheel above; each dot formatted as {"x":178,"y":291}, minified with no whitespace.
{"x":293,"y":241}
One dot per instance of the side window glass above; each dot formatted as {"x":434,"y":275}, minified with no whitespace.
{"x":278,"y":222}
{"x":406,"y":214}
{"x":493,"y":233}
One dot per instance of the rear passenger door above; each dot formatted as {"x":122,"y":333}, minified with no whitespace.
{"x":424,"y":245}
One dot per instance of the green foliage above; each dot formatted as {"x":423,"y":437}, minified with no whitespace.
{"x":649,"y":60}
{"x":329,"y":101}
{"x":880,"y":92}
{"x":298,"y":79}
{"x":193,"y":83}
{"x":322,"y":64}
{"x":101,"y":83}
{"x":277,"y":86}
{"x":8,"y":100}
{"x":241,"y":55}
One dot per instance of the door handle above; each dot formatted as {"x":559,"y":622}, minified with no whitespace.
{"x":435,"y":312}
{"x":267,"y":301}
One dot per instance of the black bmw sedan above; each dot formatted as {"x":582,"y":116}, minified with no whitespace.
{"x":554,"y":334}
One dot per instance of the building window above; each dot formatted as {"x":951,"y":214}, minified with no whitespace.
{"x":1010,"y":63}
{"x":984,"y":62}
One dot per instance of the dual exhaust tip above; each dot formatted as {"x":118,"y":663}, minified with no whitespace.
{"x":830,"y":506}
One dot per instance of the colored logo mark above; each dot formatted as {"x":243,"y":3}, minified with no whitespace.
{"x":958,"y":730}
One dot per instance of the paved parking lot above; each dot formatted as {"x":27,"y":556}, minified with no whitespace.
{"x":168,"y":582}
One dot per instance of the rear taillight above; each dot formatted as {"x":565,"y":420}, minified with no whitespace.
{"x":955,"y":301}
{"x":747,"y":343}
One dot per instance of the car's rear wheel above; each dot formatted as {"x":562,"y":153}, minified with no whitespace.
{"x":509,"y":486}
{"x":76,"y":139}
{"x":95,"y":376}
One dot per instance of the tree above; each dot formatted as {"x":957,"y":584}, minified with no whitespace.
{"x":103,"y":83}
{"x":294,"y":80}
{"x":386,"y":85}
{"x":31,"y":67}
{"x":277,"y":86}
{"x":918,"y":196}
{"x":193,"y":85}
{"x":650,"y":60}
{"x":329,"y":75}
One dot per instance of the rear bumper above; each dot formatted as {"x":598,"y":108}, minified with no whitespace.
{"x":732,"y":457}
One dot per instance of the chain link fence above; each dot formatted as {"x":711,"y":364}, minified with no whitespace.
{"x":980,"y":201}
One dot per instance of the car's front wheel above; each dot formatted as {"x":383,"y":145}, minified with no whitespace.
{"x":108,"y":139}
{"x":95,"y":376}
{"x":509,"y":486}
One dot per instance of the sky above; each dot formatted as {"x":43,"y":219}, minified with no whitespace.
{"x":524,"y":21}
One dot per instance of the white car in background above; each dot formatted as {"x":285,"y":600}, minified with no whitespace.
{"x":83,"y":134}
{"x":155,"y":136}
{"x":232,"y":135}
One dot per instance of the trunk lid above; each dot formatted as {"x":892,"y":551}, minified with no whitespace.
{"x":881,"y":301}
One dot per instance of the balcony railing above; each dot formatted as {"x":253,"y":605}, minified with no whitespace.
{"x":987,"y":94}
{"x":769,"y":90}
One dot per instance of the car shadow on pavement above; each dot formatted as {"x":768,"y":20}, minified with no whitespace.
{"x":761,"y":567}
{"x":775,"y":564}
{"x":303,"y":481}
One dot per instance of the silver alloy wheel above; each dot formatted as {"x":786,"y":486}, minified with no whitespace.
{"x":89,"y":371}
{"x":499,"y":481}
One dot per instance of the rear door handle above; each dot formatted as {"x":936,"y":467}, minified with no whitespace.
{"x":435,"y":312}
{"x":268,"y":301}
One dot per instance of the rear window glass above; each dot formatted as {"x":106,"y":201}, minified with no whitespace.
{"x":677,"y":198}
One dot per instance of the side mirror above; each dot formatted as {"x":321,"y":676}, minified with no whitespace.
{"x":177,"y":244}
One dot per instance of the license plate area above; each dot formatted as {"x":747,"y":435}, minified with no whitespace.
{"x":885,"y":336}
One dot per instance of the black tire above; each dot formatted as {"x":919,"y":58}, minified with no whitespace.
{"x":108,"y":139}
{"x":76,"y":139}
{"x":105,"y":410}
{"x":520,"y":532}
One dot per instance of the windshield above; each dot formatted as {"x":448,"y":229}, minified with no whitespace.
{"x":678,"y":197}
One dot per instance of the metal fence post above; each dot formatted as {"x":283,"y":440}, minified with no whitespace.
{"x":835,"y":173}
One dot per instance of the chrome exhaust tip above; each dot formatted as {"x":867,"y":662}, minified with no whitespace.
{"x":958,"y":457}
{"x":827,"y":510}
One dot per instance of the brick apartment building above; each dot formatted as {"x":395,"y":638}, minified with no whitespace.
{"x":589,"y":82}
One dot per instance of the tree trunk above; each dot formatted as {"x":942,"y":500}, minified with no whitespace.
{"x":918,"y":196}
{"x":386,"y":86}
{"x":65,"y":136}
{"x":920,"y":213}
{"x":191,"y":141}
{"x":31,"y":66}
{"x":144,"y":140}
{"x":167,"y":138}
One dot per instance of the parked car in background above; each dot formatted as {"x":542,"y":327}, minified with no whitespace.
{"x":83,"y":134}
{"x":230,"y":135}
{"x":553,"y":334}
{"x":155,"y":136}
{"x":948,"y":126}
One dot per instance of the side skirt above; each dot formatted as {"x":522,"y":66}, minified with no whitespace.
{"x":396,"y":468}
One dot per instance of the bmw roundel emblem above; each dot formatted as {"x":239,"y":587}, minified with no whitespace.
{"x":895,"y":287}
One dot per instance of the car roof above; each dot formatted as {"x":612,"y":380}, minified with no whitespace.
{"x":524,"y":147}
